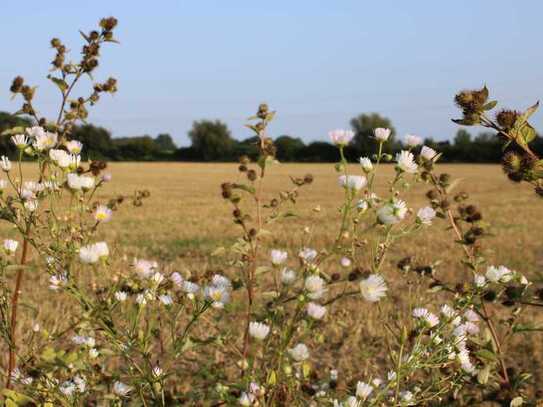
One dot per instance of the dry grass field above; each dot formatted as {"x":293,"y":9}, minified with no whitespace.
{"x":185,"y":219}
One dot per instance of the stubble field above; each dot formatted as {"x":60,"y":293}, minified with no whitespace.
{"x":185,"y":219}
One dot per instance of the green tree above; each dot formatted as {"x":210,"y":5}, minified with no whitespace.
{"x":97,"y":143}
{"x":288,"y":148}
{"x":211,"y":140}
{"x":363,"y":126}
{"x":164,"y":142}
{"x":8,"y":121}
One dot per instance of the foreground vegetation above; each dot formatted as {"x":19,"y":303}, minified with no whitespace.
{"x":380,"y":283}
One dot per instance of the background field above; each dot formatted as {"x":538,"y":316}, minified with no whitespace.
{"x":185,"y":219}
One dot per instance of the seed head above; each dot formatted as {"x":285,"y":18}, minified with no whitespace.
{"x":507,"y":118}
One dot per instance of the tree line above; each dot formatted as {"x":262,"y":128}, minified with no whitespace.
{"x":211,"y":140}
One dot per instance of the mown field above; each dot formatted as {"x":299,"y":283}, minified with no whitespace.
{"x":185,"y":219}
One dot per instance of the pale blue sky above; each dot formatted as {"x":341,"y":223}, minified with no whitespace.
{"x":317,"y":62}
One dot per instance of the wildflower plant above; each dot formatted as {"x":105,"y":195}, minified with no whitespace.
{"x":258,"y":330}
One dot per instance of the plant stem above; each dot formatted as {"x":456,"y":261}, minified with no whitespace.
{"x":14,"y":303}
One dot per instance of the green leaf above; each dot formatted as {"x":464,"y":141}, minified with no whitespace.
{"x":62,"y":85}
{"x":244,"y":187}
{"x":486,"y":354}
{"x":518,"y":328}
{"x":490,"y":105}
{"x":530,"y":111}
{"x":14,"y":398}
{"x":13,"y":131}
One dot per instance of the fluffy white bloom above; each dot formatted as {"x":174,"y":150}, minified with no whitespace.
{"x":121,"y":296}
{"x":308,"y":254}
{"x":345,"y":262}
{"x":381,"y":134}
{"x":341,"y":137}
{"x":219,"y":280}
{"x":479,"y":280}
{"x":406,"y":396}
{"x":430,"y":319}
{"x":245,"y":399}
{"x":80,"y":182}
{"x":45,"y":140}
{"x":102,"y":214}
{"x":299,"y":353}
{"x":177,"y":279}
{"x":190,"y":288}
{"x":373,"y":288}
{"x":121,"y":389}
{"x":218,"y":295}
{"x":166,"y":299}
{"x":448,"y":311}
{"x":145,"y":268}
{"x":10,"y":246}
{"x":426,"y":215}
{"x":315,"y":310}
{"x":391,"y":376}
{"x":315,"y":286}
{"x":366,"y":164}
{"x":35,"y":132}
{"x":278,"y":257}
{"x":57,"y":281}
{"x":288,"y":276}
{"x":20,"y":140}
{"x":392,"y":212}
{"x":406,"y":162}
{"x":92,"y":253}
{"x":258,"y":330}
{"x":60,"y":158}
{"x":353,"y":182}
{"x":498,"y":274}
{"x":5,"y":163}
{"x":363,"y":390}
{"x":81,"y":383}
{"x":465,"y":362}
{"x":428,"y":153}
{"x":74,"y":146}
{"x":412,"y":140}
{"x":67,"y":388}
{"x":471,"y":315}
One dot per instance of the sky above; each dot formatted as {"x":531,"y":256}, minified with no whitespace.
{"x":318,"y":63}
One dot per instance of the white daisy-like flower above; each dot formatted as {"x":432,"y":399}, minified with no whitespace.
{"x":308,"y":254}
{"x":102,"y":214}
{"x":381,"y":134}
{"x":479,"y":280}
{"x":245,"y":399}
{"x":373,"y":288}
{"x":426,"y":215}
{"x":165,"y":299}
{"x":471,"y":315}
{"x":345,"y":262}
{"x":499,"y":274}
{"x":406,"y":162}
{"x":5,"y":163}
{"x":299,"y":353}
{"x":3,"y":185}
{"x":60,"y":158}
{"x":391,"y":376}
{"x":121,"y":296}
{"x":258,"y":330}
{"x":362,"y":205}
{"x":315,"y":310}
{"x":177,"y":279}
{"x":218,"y":280}
{"x":35,"y":132}
{"x":392,"y":212}
{"x":363,"y":390}
{"x":430,"y":319}
{"x":121,"y":389}
{"x":92,"y":253}
{"x":81,"y":383}
{"x":57,"y":281}
{"x":448,"y":311}
{"x":366,"y":164}
{"x":190,"y":288}
{"x":157,"y":371}
{"x":67,"y":388}
{"x":341,"y":137}
{"x":31,"y":205}
{"x":10,"y":246}
{"x":288,"y":276}
{"x":219,"y":296}
{"x":93,"y":353}
{"x":465,"y":362}
{"x":412,"y":141}
{"x":352,"y":182}
{"x":428,"y":153}
{"x":20,"y":141}
{"x":350,"y":401}
{"x":45,"y":140}
{"x":278,"y":257}
{"x":74,"y":146}
{"x":78,"y":182}
{"x":145,"y":268}
{"x":406,"y":396}
{"x":315,"y":286}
